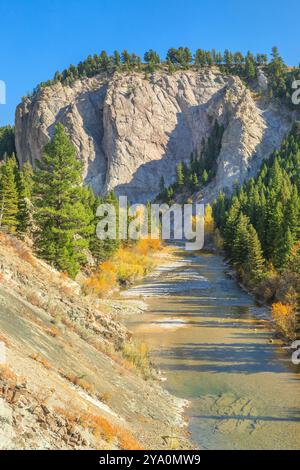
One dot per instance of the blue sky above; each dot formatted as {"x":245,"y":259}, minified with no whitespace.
{"x":39,"y":37}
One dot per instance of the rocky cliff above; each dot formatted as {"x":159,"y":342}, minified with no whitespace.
{"x":130,"y":129}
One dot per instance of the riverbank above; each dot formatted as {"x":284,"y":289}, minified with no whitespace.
{"x":214,"y":347}
{"x":65,"y":382}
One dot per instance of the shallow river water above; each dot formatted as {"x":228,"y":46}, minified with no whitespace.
{"x":214,"y":347}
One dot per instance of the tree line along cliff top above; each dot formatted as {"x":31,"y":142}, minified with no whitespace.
{"x":279,"y":75}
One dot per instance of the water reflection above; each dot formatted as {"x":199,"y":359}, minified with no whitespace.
{"x":215,"y":348}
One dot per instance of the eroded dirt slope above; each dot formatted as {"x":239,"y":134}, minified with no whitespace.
{"x":65,"y":383}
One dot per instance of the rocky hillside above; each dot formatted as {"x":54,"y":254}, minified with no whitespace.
{"x":64,"y":383}
{"x":130,"y":129}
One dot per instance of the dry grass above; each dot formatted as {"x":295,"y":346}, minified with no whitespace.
{"x":7,"y":374}
{"x":20,"y":249}
{"x":127,"y":441}
{"x":66,"y":290}
{"x":105,"y":397}
{"x":80,"y":382}
{"x":41,"y":360}
{"x":102,"y":428}
{"x":34,"y":298}
{"x":4,"y":340}
{"x":54,"y":309}
{"x":137,"y":355}
{"x":53,"y":331}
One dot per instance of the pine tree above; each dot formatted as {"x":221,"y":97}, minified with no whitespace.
{"x":219,"y":210}
{"x":24,"y":204}
{"x":125,"y":58}
{"x":152,"y":56}
{"x":162,"y":185}
{"x":200,"y":59}
{"x":250,"y":69}
{"x":117,"y":59}
{"x":102,"y":249}
{"x":195,"y":182}
{"x":240,"y":241}
{"x":180,"y":175}
{"x":8,"y":197}
{"x":255,"y":259}
{"x":7,"y":141}
{"x":294,"y":259}
{"x":229,"y":229}
{"x":204,"y":177}
{"x":247,"y":253}
{"x":273,"y":228}
{"x":292,"y":212}
{"x":63,"y":224}
{"x":104,"y":60}
{"x":170,"y":195}
{"x":228,"y":58}
{"x":283,"y":248}
{"x":171,"y":67}
{"x":27,"y":172}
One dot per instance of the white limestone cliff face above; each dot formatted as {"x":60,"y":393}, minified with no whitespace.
{"x":129,"y":130}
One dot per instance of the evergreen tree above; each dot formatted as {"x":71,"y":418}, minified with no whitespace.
{"x":238,"y":59}
{"x":229,"y":229}
{"x":102,"y":249}
{"x":24,"y":193}
{"x":239,"y":250}
{"x":27,"y":172}
{"x":8,"y":197}
{"x":250,"y":69}
{"x":292,"y":213}
{"x":271,"y":202}
{"x":126,"y":58}
{"x":294,"y":259}
{"x":283,"y":249}
{"x":170,"y":195}
{"x":228,"y":58}
{"x":171,"y":67}
{"x":195,"y":182}
{"x":219,"y":210}
{"x":7,"y":141}
{"x":255,"y":259}
{"x":63,"y":224}
{"x":162,"y":186}
{"x":104,"y":60}
{"x":180,"y":175}
{"x":204,"y":177}
{"x":200,"y":59}
{"x":247,"y":254}
{"x":117,"y":59}
{"x":152,"y":56}
{"x":219,"y":58}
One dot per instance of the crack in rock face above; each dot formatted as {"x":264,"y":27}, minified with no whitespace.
{"x":129,"y":130}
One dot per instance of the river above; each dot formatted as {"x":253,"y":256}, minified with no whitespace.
{"x":215,"y":349}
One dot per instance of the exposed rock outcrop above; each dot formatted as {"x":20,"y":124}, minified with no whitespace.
{"x":129,"y":129}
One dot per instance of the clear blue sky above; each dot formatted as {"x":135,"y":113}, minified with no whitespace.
{"x":39,"y":37}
